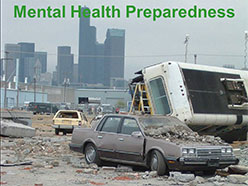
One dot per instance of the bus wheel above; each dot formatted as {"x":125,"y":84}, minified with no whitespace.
{"x":57,"y":131}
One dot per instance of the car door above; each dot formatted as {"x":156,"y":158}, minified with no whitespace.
{"x":129,"y":147}
{"x":106,"y":136}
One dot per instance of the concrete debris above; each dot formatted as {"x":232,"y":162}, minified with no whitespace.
{"x":237,"y":179}
{"x":179,"y":177}
{"x":178,"y":134}
{"x":105,"y":168}
{"x":22,"y":117}
{"x":243,"y":155}
{"x":12,"y":129}
{"x":124,"y":169}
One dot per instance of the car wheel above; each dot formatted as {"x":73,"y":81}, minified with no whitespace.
{"x":91,"y":154}
{"x":157,"y":163}
{"x":57,"y":131}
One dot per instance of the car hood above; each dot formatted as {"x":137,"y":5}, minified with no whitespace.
{"x":183,"y":137}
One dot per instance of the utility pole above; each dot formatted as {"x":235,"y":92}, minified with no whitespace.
{"x":186,"y":42}
{"x":34,"y":89}
{"x":245,"y":51}
{"x":195,"y":58}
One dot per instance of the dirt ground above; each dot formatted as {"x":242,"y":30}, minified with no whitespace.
{"x":50,"y":162}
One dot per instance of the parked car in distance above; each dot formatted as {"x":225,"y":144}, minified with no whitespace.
{"x":123,"y":139}
{"x":42,"y":108}
{"x":66,"y":120}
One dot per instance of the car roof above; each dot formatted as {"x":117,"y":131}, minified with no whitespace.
{"x":139,"y":116}
{"x":68,"y":111}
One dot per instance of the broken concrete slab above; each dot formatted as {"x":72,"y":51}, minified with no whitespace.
{"x":12,"y":129}
{"x":18,"y":116}
{"x":237,"y":179}
{"x":178,"y":176}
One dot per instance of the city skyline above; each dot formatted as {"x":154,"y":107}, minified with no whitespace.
{"x":215,"y":41}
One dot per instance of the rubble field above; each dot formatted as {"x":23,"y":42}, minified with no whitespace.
{"x":46,"y":159}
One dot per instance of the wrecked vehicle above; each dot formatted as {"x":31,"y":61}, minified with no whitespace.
{"x":159,"y":143}
{"x":210,"y":100}
{"x":66,"y":120}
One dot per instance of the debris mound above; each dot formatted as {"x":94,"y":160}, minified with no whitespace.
{"x":182,"y":134}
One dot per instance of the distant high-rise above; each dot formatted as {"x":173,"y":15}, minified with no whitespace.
{"x":42,"y":56}
{"x":87,"y":51}
{"x":98,"y":63}
{"x":114,"y":51}
{"x":65,"y":61}
{"x":13,"y":52}
{"x":75,"y":73}
{"x":26,"y":50}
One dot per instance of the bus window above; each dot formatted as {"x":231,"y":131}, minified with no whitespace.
{"x":159,"y":97}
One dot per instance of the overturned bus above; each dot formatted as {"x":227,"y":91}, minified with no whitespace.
{"x":210,"y":100}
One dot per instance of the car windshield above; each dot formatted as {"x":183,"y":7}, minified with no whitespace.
{"x":153,"y":122}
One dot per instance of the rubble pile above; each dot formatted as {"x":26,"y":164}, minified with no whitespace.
{"x":179,"y":133}
{"x":35,"y":147}
{"x":243,"y":155}
{"x":54,"y":164}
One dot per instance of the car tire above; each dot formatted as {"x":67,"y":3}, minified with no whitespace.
{"x":157,"y":163}
{"x":57,"y":131}
{"x":91,"y":155}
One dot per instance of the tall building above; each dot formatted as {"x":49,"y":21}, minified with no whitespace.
{"x":114,"y":51}
{"x":99,"y":64}
{"x":87,"y":51}
{"x":65,"y":61}
{"x":26,"y":50}
{"x":75,"y":73}
{"x":13,"y":53}
{"x":42,"y":56}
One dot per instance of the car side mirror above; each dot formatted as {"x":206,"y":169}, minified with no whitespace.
{"x":136,"y":134}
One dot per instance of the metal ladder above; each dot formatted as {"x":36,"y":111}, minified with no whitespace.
{"x":141,"y":100}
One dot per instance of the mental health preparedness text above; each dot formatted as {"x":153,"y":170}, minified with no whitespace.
{"x":114,"y":12}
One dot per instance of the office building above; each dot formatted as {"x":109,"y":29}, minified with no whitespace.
{"x":65,"y":61}
{"x":75,"y":73}
{"x":26,"y":50}
{"x":97,"y":62}
{"x":87,"y":51}
{"x":12,"y":51}
{"x":114,"y":51}
{"x":42,"y":56}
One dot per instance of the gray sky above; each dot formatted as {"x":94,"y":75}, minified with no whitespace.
{"x":144,"y":37}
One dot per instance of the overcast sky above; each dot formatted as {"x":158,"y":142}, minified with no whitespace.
{"x":155,"y":41}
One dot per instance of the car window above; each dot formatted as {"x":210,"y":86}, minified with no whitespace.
{"x":129,"y":126}
{"x":73,"y":115}
{"x":111,"y":124}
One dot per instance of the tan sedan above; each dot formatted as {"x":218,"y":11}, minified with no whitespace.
{"x":124,"y":139}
